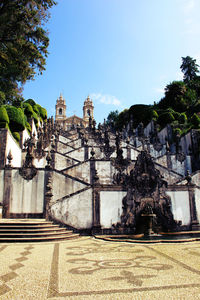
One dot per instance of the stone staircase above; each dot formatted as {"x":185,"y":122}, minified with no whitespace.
{"x":32,"y":230}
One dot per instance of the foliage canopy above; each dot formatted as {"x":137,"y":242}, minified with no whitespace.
{"x":23,"y":43}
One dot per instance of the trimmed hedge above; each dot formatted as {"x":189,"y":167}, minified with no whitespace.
{"x":4,"y":125}
{"x":195,"y":120}
{"x":16,"y":136}
{"x":42,"y":112}
{"x":17,"y":119}
{"x":36,"y":110}
{"x":30,"y":101}
{"x":182,"y":118}
{"x":165,"y":118}
{"x":28,"y":110}
{"x":35,"y":117}
{"x":4,"y":115}
{"x":28,"y":127}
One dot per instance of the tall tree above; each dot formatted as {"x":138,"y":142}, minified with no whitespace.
{"x":23,"y":43}
{"x":189,"y":67}
{"x":112,"y":117}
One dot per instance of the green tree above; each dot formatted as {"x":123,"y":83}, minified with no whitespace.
{"x":23,"y":43}
{"x":112,"y":118}
{"x":189,"y":68}
{"x":174,"y":96}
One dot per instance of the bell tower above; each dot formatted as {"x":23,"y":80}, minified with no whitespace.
{"x":88,"y":109}
{"x":60,"y":109}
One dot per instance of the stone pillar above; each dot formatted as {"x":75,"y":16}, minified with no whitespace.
{"x":169,"y":161}
{"x":7,"y":194}
{"x":193,"y":213}
{"x":128,"y":152}
{"x":94,"y":180}
{"x":96,"y":226}
{"x":3,"y":138}
{"x":85,"y":152}
{"x":48,"y":194}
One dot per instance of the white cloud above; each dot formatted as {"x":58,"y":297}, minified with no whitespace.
{"x":106,"y":99}
{"x":188,"y":6}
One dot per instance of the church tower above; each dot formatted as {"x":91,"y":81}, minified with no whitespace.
{"x":60,"y":110}
{"x":88,"y":109}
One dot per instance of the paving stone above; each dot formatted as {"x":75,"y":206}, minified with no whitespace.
{"x":88,"y":268}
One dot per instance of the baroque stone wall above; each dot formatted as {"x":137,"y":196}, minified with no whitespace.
{"x":81,"y":177}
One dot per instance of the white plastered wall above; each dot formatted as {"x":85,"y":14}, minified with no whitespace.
{"x":110,"y":207}
{"x":27,"y":195}
{"x":197,"y":202}
{"x":104,"y":171}
{"x":77,"y":154}
{"x":63,"y":186}
{"x":75,"y":211}
{"x":180,"y":206}
{"x":81,"y":171}
{"x":15,"y":149}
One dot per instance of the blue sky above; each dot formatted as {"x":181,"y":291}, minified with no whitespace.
{"x":120,"y":52}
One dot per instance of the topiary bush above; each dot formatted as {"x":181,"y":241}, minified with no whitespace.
{"x":16,"y":117}
{"x":31,"y":102}
{"x":28,"y":110}
{"x":28,"y":127}
{"x":36,"y":110}
{"x":4,"y":119}
{"x":154,"y":115}
{"x":42,"y":112}
{"x":165,"y":118}
{"x":16,"y":136}
{"x":177,"y":131}
{"x":35,"y":117}
{"x":182,"y":118}
{"x":195,"y":120}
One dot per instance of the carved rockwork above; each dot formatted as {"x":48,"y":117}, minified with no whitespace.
{"x":28,"y":170}
{"x":48,"y":196}
{"x":145,"y":195}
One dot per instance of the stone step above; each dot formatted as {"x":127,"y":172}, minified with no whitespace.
{"x":28,"y":226}
{"x":38,"y":239}
{"x":38,"y":234}
{"x":30,"y":230}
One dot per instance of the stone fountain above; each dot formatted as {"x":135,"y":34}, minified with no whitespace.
{"x":146,"y":206}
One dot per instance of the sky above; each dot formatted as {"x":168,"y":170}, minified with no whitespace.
{"x":119,"y":52}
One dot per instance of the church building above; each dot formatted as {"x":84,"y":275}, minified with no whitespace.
{"x":71,"y":122}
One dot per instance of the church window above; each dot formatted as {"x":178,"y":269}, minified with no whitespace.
{"x":60,"y":111}
{"x":88,"y":112}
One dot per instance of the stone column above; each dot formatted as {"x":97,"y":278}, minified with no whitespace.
{"x":7,"y":194}
{"x":48,"y":194}
{"x":128,"y":152}
{"x":85,"y":152}
{"x":3,"y":138}
{"x":193,"y":213}
{"x":96,"y":226}
{"x":94,"y":180}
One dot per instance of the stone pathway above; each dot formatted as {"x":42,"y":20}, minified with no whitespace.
{"x":87,"y":268}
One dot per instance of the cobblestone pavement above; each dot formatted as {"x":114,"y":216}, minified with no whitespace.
{"x":86,"y":268}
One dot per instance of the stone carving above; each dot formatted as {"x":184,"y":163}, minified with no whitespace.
{"x":28,"y":170}
{"x":145,"y":192}
{"x":106,"y":148}
{"x":10,"y":158}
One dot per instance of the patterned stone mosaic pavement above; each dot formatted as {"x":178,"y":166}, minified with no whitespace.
{"x":87,"y":268}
